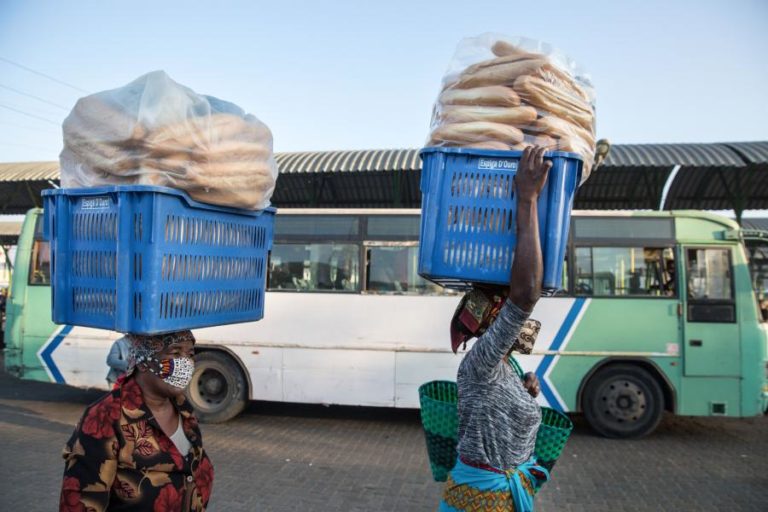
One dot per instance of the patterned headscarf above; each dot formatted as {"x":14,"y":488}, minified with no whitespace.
{"x":144,"y":347}
{"x":476,"y":312}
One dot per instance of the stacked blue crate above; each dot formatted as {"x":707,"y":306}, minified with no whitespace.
{"x":468,"y":225}
{"x":147,"y":260}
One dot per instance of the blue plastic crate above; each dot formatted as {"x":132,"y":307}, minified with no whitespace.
{"x":146,"y":260}
{"x":468,"y":215}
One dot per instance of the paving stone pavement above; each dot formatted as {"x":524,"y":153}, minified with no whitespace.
{"x":279,"y":457}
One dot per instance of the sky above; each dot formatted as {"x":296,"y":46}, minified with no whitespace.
{"x":364,"y":75}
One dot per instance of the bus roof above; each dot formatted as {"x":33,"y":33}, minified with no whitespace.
{"x":726,"y":223}
{"x":695,"y":214}
{"x":677,"y":214}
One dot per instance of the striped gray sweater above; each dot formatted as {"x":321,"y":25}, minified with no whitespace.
{"x":498,"y":419}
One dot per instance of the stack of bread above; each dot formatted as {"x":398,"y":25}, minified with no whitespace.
{"x":156,"y":132}
{"x":499,"y":96}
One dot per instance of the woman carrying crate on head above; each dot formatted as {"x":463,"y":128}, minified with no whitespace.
{"x":498,"y":413}
{"x":139,"y":448}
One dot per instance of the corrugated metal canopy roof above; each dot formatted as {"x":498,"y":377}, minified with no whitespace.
{"x":704,"y":189}
{"x":29,"y":171}
{"x":760,"y":223}
{"x":619,"y":188}
{"x":718,"y":188}
{"x":349,"y":161}
{"x":22,"y":182}
{"x":670,"y":155}
{"x":622,"y":155}
{"x":374,"y":189}
{"x":752,"y":152}
{"x":711,"y":176}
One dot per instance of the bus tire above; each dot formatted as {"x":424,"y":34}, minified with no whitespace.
{"x":623,"y":401}
{"x":218,"y":390}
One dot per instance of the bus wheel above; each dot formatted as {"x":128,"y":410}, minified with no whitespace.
{"x":623,"y":401}
{"x":218,"y":389}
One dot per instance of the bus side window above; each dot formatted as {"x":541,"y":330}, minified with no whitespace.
{"x":394,"y":269}
{"x":668,"y":282}
{"x":314,"y":267}
{"x":625,"y":271}
{"x":40,"y":266}
{"x":584,"y":284}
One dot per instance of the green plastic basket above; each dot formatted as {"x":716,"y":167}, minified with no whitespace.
{"x":440,"y":419}
{"x":554,"y":431}
{"x":439,"y":416}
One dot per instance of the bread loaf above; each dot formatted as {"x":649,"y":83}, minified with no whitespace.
{"x":504,"y":49}
{"x":195,"y":132}
{"x":561,"y":128}
{"x":574,"y":145}
{"x":467,"y":133}
{"x":545,"y":96}
{"x":490,"y":96}
{"x":490,"y":144}
{"x":464,"y":114}
{"x":224,"y":151}
{"x":541,"y":140}
{"x":502,"y":74}
{"x":508,"y":59}
{"x":568,"y":86}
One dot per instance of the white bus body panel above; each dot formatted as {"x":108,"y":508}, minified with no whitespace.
{"x":349,"y":349}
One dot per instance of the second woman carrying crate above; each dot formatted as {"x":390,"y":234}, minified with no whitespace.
{"x":498,"y":416}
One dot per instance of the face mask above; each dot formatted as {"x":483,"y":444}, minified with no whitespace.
{"x":177,"y":371}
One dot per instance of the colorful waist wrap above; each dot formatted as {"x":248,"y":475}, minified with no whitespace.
{"x":471,"y":488}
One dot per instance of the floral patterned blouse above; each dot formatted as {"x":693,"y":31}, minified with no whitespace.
{"x":119,"y":459}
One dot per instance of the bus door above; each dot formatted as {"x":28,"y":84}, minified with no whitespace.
{"x":711,"y":345}
{"x":37,"y":324}
{"x":29,"y":313}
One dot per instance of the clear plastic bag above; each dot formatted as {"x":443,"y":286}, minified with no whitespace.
{"x":509,"y":93}
{"x":155,"y":131}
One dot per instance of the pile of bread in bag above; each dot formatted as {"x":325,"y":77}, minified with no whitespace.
{"x":155,"y":131}
{"x":497,"y":95}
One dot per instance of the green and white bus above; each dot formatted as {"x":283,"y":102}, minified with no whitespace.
{"x":659,"y":313}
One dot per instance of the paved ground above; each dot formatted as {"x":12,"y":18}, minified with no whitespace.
{"x":289,"y":458}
